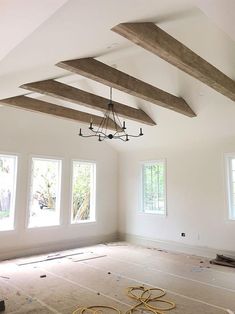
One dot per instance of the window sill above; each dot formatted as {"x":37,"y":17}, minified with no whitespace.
{"x":152,"y":213}
{"x":230,"y":220}
{"x":7,"y":231}
{"x":56,"y":226}
{"x":83,"y":222}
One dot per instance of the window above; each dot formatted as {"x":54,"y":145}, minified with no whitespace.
{"x":83,"y":192}
{"x":230,"y":160}
{"x":8,"y":169}
{"x":153,"y":187}
{"x":44,"y":206}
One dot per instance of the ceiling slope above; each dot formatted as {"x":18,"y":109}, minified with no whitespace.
{"x":222,"y":13}
{"x":154,"y":39}
{"x":18,"y":19}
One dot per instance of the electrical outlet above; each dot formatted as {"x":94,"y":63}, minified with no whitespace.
{"x":182,"y":234}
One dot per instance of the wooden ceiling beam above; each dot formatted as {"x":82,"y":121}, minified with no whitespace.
{"x":100,"y":72}
{"x":154,"y":39}
{"x":36,"y":105}
{"x":78,"y":96}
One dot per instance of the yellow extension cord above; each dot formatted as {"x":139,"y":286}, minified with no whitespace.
{"x":143,"y":302}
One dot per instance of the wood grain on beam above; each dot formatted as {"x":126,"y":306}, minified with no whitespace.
{"x":107,"y":75}
{"x":37,"y":105}
{"x":78,"y":96}
{"x":157,"y":41}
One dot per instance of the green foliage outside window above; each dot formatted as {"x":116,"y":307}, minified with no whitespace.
{"x":45,"y":178}
{"x":6,"y":164}
{"x":153,"y":187}
{"x":82,"y":181}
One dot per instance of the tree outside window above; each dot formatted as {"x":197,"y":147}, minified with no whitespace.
{"x":83,"y":192}
{"x":8,"y":165}
{"x":45,"y":192}
{"x":153,"y":187}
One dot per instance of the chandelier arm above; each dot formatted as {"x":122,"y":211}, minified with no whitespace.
{"x":134,"y":135}
{"x":102,"y":138}
{"x":119,"y":122}
{"x":129,"y":135}
{"x":114,"y":119}
{"x":98,"y":132}
{"x":102,"y":133}
{"x":88,"y":135}
{"x":119,"y":138}
{"x":124,"y":135}
{"x":106,"y":123}
{"x":101,"y":124}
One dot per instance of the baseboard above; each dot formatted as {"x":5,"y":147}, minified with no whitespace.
{"x":57,"y":246}
{"x":173,"y":246}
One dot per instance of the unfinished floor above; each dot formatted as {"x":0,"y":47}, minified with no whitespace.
{"x":99,"y":275}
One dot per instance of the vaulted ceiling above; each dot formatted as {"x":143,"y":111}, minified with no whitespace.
{"x":37,"y":36}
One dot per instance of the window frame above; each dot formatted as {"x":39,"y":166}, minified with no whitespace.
{"x":229,"y":189}
{"x":30,"y":167}
{"x":93,"y":198}
{"x":15,"y":183}
{"x":141,"y":202}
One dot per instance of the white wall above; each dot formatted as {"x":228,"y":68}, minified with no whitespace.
{"x":27,"y":133}
{"x":196,"y":196}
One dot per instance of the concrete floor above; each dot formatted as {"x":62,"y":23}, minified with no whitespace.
{"x":99,"y":275}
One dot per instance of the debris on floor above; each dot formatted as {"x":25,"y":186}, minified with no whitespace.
{"x":115,"y":244}
{"x":43,"y":276}
{"x":56,"y":256}
{"x":223,"y":260}
{"x":4,"y":277}
{"x":88,"y":258}
{"x":197,"y":269}
{"x":2,"y":305}
{"x":156,"y":249}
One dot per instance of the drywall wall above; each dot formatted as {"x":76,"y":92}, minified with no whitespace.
{"x":27,"y":134}
{"x":196,"y":196}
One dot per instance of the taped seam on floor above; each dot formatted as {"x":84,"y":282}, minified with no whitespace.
{"x":31,"y":297}
{"x":189,"y":264}
{"x":175,"y":293}
{"x":174,"y":275}
{"x":84,"y":287}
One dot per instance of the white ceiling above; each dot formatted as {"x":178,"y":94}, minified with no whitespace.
{"x":221,"y":12}
{"x":38,"y":34}
{"x":18,"y":19}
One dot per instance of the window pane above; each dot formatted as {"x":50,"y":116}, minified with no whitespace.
{"x":153,"y":190}
{"x":83,"y":192}
{"x":45,"y":192}
{"x":8,"y":165}
{"x":233,"y":163}
{"x":233,"y":176}
{"x":231,"y":186}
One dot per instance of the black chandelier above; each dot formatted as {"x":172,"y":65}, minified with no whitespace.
{"x":110,"y":118}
